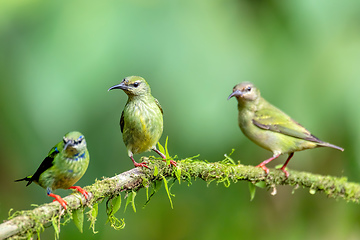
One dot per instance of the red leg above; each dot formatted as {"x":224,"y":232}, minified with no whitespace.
{"x":172,"y":162}
{"x":143,"y":164}
{"x":82,"y":191}
{"x":160,"y":153}
{"x":262,"y":165}
{"x":284,"y":166}
{"x":58,"y":199}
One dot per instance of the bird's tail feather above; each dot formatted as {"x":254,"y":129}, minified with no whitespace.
{"x":28,"y":179}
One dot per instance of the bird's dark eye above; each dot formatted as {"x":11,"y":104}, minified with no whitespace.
{"x":248,"y":89}
{"x":80,"y":139}
{"x":136,"y":84}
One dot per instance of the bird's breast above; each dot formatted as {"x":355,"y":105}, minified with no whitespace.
{"x":69,"y":170}
{"x":143,"y":126}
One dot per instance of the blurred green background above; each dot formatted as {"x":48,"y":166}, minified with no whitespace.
{"x":58,"y":58}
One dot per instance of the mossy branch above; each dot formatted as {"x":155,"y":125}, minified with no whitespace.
{"x":27,"y":223}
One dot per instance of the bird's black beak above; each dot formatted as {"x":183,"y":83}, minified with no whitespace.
{"x":68,"y":144}
{"x":236,"y":93}
{"x":119,"y":86}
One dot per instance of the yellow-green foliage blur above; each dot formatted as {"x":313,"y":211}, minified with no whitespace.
{"x":58,"y":58}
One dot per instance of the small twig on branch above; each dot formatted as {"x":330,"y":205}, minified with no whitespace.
{"x":29,"y":222}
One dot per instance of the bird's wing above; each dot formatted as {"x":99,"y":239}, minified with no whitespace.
{"x":158,"y":104}
{"x":46,"y":163}
{"x":275,"y":120}
{"x":122,"y":121}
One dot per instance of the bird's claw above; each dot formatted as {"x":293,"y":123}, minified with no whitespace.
{"x":58,"y":199}
{"x":172,"y":162}
{"x":81,"y":190}
{"x":264,"y":168}
{"x":62,"y":202}
{"x":143,"y":164}
{"x":286,"y":172}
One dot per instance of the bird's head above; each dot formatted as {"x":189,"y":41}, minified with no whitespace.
{"x":245,"y":91}
{"x":133,"y":86}
{"x":74,"y":143}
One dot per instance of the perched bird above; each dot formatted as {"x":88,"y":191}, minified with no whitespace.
{"x":271,"y":128}
{"x":64,"y":165}
{"x":141,"y":121}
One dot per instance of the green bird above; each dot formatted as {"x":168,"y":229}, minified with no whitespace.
{"x":271,"y":128}
{"x":64,"y":165}
{"x":141,"y":121}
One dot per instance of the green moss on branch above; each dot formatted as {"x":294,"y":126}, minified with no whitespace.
{"x":27,"y":223}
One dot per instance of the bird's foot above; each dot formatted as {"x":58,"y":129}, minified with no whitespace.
{"x":285,"y":164}
{"x":143,"y":164}
{"x":286,"y":172}
{"x":172,"y":162}
{"x":262,"y":165}
{"x":81,"y":190}
{"x":58,"y":199}
{"x":264,"y":168}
